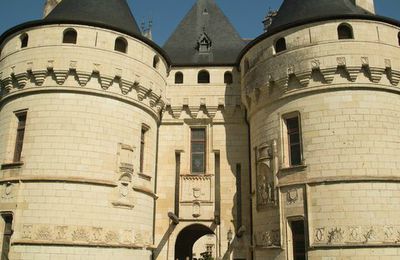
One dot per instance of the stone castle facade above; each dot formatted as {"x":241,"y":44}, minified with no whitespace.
{"x":284,"y":148}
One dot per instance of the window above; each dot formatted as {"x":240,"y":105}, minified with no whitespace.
{"x":24,"y":40}
{"x":70,"y":36}
{"x":121,"y":45}
{"x":203,"y":77}
{"x":292,"y":140}
{"x":280,"y":45}
{"x":246,"y":65}
{"x":345,"y":31}
{"x":198,"y":150}
{"x":20,"y":136}
{"x":8,"y":231}
{"x":179,"y":78}
{"x":228,"y":78}
{"x":297,"y":240}
{"x":143,"y":138}
{"x":398,"y":38}
{"x":156,"y":61}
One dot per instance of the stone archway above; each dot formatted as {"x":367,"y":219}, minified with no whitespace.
{"x":186,"y":239}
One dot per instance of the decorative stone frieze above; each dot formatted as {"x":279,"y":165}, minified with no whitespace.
{"x":268,"y":239}
{"x":356,"y":235}
{"x":83,"y":235}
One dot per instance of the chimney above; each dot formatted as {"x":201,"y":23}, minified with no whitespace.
{"x":366,"y":5}
{"x":49,"y":6}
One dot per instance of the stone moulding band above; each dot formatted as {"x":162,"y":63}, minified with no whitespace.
{"x":343,"y":179}
{"x":94,"y":92}
{"x":145,"y":191}
{"x":59,"y":179}
{"x":46,"y":243}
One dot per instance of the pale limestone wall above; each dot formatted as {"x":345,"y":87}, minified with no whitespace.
{"x":79,"y":190}
{"x":216,"y":107}
{"x":347,"y":96}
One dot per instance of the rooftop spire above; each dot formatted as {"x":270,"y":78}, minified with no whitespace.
{"x":204,"y":37}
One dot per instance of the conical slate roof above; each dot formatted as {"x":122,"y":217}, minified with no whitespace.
{"x":113,"y":14}
{"x":204,"y":27}
{"x":293,"y":12}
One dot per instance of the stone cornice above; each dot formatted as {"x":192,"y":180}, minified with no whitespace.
{"x":115,"y":83}
{"x":315,"y":75}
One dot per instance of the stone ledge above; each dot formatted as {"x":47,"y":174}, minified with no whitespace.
{"x":78,"y":180}
{"x":13,"y":165}
{"x":145,"y":191}
{"x":71,"y":244}
{"x":341,"y":179}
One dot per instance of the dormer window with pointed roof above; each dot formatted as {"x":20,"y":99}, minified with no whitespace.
{"x":204,"y":43}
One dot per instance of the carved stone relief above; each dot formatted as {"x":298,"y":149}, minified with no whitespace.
{"x":266,"y":174}
{"x":8,"y":191}
{"x":124,"y":197}
{"x":196,"y":188}
{"x":87,"y":235}
{"x":268,"y":239}
{"x":356,"y":235}
{"x":196,"y":209}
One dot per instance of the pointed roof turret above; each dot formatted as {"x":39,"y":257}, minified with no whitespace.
{"x":112,"y":14}
{"x":295,"y":12}
{"x":204,"y":37}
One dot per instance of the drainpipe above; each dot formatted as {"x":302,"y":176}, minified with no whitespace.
{"x":155,"y":182}
{"x":250,"y":184}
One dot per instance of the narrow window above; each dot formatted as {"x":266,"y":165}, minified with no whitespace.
{"x":398,"y":38}
{"x":297,"y":239}
{"x":20,"y":136}
{"x":228,"y":78}
{"x":8,"y":219}
{"x":198,"y":150}
{"x":156,"y":61}
{"x":121,"y":45}
{"x":203,"y":77}
{"x":246,"y":65}
{"x":24,"y":40}
{"x":70,"y":36}
{"x":345,"y":31}
{"x":280,"y":45}
{"x":179,"y":78}
{"x":143,"y":135}
{"x":177,"y":180}
{"x":292,"y":140}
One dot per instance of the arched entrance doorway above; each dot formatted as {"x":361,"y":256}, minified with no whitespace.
{"x":186,"y":239}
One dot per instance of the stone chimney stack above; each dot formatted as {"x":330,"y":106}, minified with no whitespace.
{"x":366,"y":5}
{"x":49,"y":6}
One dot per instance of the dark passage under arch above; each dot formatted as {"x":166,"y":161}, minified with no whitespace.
{"x":186,"y":239}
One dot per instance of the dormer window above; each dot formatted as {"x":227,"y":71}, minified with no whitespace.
{"x":280,"y":45}
{"x":24,"y":40}
{"x":70,"y":36}
{"x":121,"y":45}
{"x":204,"y":43}
{"x":345,"y":31}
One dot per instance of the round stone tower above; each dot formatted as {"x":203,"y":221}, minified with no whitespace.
{"x":81,"y":95}
{"x":322,"y":91}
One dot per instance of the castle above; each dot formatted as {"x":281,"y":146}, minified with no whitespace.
{"x":286,"y":147}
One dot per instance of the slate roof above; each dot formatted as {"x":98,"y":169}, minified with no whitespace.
{"x":205,"y":21}
{"x":112,"y":14}
{"x":293,"y":12}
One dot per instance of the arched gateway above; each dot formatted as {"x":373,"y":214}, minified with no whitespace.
{"x":187,"y":238}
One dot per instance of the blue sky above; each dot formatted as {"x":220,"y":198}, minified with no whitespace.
{"x":246,"y":15}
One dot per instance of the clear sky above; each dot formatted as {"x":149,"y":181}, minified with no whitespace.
{"x":246,"y":15}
